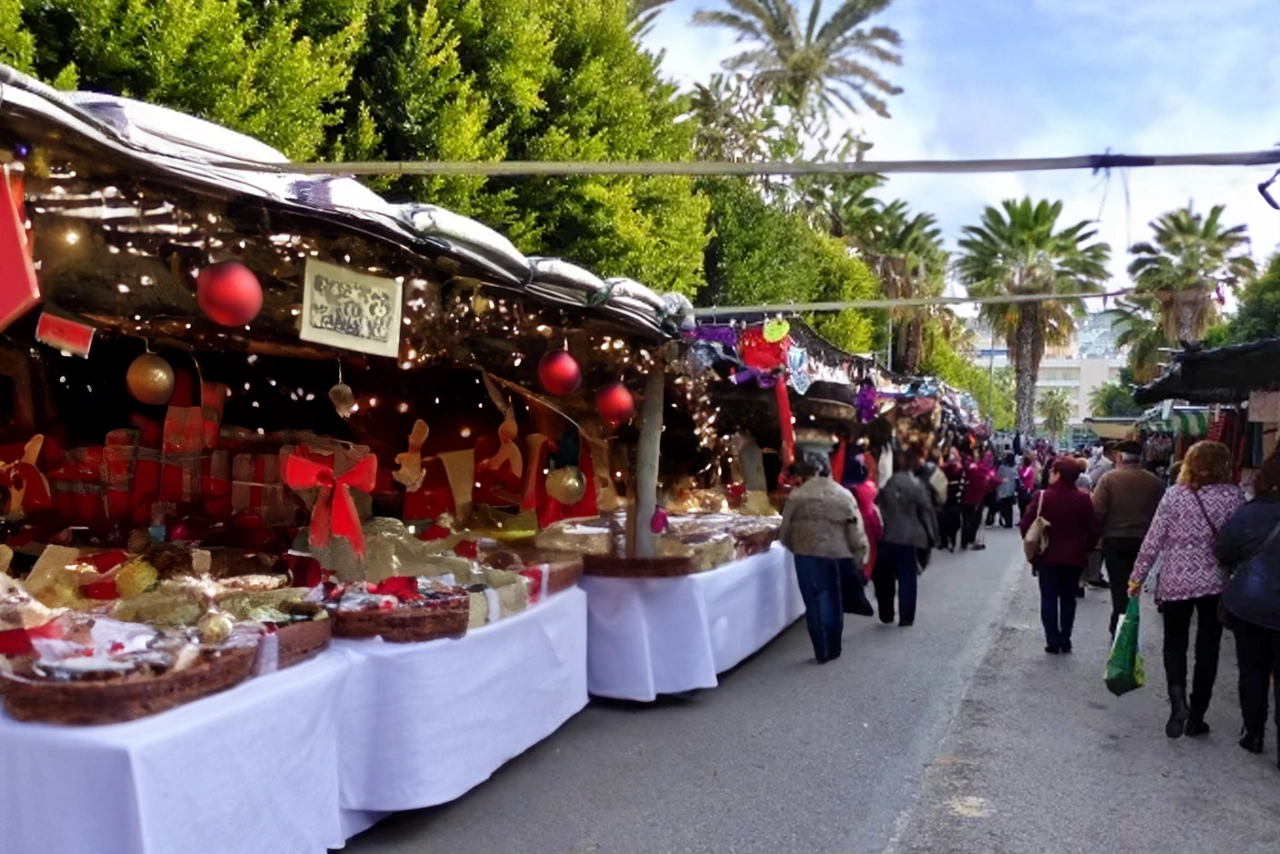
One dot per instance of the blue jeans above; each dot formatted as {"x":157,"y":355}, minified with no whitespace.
{"x":819,"y":579}
{"x":896,"y":568}
{"x":1058,"y":586}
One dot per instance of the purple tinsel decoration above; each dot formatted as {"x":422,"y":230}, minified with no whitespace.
{"x":866,"y":403}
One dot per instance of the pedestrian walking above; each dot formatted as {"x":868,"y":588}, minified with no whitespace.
{"x":1250,"y":543}
{"x":928,"y":474}
{"x":972,"y":498}
{"x":1072,"y":534}
{"x":1190,"y":580}
{"x":857,"y":479}
{"x":1026,"y":483}
{"x":909,"y":524}
{"x":1006,"y":490}
{"x":1125,"y":500}
{"x":950,"y":518}
{"x":822,"y":527}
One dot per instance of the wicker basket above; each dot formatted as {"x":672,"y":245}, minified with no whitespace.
{"x":108,"y":701}
{"x":404,"y":624}
{"x":302,"y":640}
{"x":654,"y":567}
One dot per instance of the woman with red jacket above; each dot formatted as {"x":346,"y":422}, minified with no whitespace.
{"x":1073,"y":532}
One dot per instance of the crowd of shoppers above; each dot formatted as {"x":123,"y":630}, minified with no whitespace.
{"x":1212,"y":559}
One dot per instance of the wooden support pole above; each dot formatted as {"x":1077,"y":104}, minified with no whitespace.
{"x":646,"y":482}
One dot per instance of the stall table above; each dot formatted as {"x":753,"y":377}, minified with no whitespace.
{"x":421,"y":724}
{"x":253,"y":769}
{"x":651,"y":636}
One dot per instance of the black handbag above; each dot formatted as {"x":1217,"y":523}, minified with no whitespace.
{"x":1253,"y":593}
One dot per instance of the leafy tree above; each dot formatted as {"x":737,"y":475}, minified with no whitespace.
{"x":242,"y":65}
{"x":536,"y":80}
{"x":992,"y":390}
{"x":1056,"y":409}
{"x":17,"y":47}
{"x":1258,"y":314}
{"x":1113,"y":400}
{"x":762,"y":253}
{"x":811,"y":68}
{"x":1187,"y":265}
{"x":1019,"y":251}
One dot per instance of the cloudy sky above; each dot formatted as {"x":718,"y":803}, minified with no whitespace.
{"x":1036,"y":78}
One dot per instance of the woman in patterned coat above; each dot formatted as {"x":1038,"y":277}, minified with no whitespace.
{"x":1190,"y":580}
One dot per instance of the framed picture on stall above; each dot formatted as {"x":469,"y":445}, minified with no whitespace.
{"x":352,"y":310}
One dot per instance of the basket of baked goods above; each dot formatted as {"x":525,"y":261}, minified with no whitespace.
{"x":79,"y":668}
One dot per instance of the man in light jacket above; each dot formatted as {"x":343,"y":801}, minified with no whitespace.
{"x":822,"y":527}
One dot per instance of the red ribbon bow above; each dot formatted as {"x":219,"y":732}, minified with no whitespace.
{"x":335,"y":511}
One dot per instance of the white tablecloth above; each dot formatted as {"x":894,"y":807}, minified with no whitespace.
{"x":421,"y":724}
{"x":651,"y":636}
{"x":253,"y":769}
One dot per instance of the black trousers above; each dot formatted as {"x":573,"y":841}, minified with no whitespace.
{"x":990,"y":503}
{"x":1004,"y":507}
{"x":1120,"y":554}
{"x":1258,"y":657}
{"x":1058,"y":586}
{"x":971,"y":517}
{"x":1177,"y":638}
{"x":949,"y":519}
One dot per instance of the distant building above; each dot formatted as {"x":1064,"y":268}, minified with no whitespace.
{"x":1079,"y":368}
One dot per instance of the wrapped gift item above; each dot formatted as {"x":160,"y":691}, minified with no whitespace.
{"x":256,"y":487}
{"x":707,"y":550}
{"x":546,"y":572}
{"x":503,"y":594}
{"x":76,"y":486}
{"x":393,"y":551}
{"x":120,"y":461}
{"x":181,"y":445}
{"x":584,"y":538}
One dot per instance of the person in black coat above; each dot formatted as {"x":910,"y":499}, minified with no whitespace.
{"x":1255,"y":528}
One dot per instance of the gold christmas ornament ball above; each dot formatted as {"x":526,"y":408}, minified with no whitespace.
{"x":567,"y":485}
{"x":150,"y":380}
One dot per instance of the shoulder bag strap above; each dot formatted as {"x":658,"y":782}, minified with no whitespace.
{"x":1205,"y":513}
{"x":1271,"y":538}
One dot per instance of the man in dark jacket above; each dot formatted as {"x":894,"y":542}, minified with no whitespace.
{"x":1072,"y":535}
{"x":910,"y":524}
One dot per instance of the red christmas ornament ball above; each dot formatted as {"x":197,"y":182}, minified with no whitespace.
{"x":615,"y":404}
{"x":229,"y":293}
{"x":559,"y":373}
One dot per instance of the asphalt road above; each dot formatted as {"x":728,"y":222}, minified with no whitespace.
{"x":783,"y":756}
{"x":1043,"y":760}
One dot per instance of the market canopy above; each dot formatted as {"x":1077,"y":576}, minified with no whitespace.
{"x":1220,"y":375}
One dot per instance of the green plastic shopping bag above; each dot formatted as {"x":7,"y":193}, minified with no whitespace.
{"x":1124,"y":666}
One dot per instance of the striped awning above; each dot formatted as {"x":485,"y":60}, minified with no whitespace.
{"x":1182,"y":422}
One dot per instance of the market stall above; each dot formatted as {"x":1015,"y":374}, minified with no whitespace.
{"x":1235,"y":392}
{"x":272,"y":440}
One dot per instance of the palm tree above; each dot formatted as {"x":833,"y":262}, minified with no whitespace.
{"x":1056,"y":410}
{"x":1113,"y":400}
{"x":1018,"y":253}
{"x":906,"y":254}
{"x":812,"y":69}
{"x":1187,"y":265}
{"x":1140,"y":332}
{"x":641,"y":13}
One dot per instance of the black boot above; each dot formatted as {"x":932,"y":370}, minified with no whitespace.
{"x":1179,"y":712}
{"x":1252,"y":742}
{"x":1196,"y":725}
